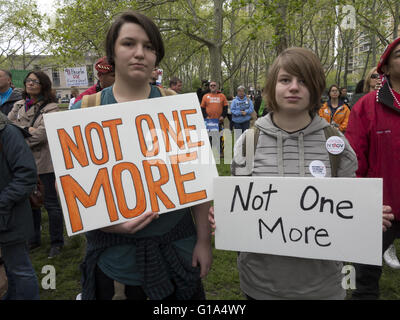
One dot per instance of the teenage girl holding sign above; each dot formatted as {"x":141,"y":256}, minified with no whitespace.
{"x":156,"y":257}
{"x":291,"y":137}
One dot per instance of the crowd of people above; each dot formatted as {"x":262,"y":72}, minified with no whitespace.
{"x":126,"y":261}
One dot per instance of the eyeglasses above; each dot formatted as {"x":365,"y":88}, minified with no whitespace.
{"x":374,"y":76}
{"x":213,"y":85}
{"x":33,"y":81}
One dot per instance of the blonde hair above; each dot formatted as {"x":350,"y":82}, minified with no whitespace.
{"x":302,"y":63}
{"x":367,"y":81}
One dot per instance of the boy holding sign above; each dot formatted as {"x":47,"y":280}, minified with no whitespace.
{"x":292,"y":142}
{"x":152,"y":256}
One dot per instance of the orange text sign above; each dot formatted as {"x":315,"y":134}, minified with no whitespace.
{"x":115,"y":162}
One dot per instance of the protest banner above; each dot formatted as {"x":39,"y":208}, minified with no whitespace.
{"x":76,"y":77}
{"x":114,"y":162}
{"x":321,"y":218}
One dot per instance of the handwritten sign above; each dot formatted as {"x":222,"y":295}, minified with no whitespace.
{"x":114,"y":162}
{"x":76,"y":76}
{"x":332,"y":218}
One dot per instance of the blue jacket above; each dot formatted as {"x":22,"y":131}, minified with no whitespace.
{"x":17,"y":180}
{"x":239,"y":105}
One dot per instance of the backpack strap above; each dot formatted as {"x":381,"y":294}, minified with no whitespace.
{"x":37,"y":114}
{"x":166,"y":92}
{"x":256,"y":136}
{"x":333,"y":158}
{"x":91,"y":100}
{"x":329,"y":132}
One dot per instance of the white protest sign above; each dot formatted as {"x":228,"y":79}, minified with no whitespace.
{"x":76,"y":77}
{"x":330,"y":218}
{"x":114,"y":162}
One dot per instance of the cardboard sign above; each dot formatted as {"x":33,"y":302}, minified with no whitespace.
{"x":330,"y":218}
{"x":76,"y":77}
{"x":114,"y":162}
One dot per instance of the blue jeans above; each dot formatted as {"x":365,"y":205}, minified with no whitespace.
{"x":22,"y":281}
{"x":54,"y":212}
{"x":242,"y":126}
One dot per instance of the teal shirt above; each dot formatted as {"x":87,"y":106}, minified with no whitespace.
{"x":107,"y":96}
{"x":119,"y":262}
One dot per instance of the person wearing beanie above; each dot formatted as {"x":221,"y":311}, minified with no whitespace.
{"x":374,"y":133}
{"x":106,"y":76}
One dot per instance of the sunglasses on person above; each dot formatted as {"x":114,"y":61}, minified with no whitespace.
{"x":213,"y":85}
{"x":374,"y":76}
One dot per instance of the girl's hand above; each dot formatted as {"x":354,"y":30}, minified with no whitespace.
{"x":211,"y":219}
{"x":202,"y":255}
{"x":134,"y":225}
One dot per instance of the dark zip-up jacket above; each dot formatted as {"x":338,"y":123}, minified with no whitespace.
{"x":17,"y":180}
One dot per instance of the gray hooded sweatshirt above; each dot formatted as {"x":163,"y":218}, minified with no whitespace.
{"x":278,"y":153}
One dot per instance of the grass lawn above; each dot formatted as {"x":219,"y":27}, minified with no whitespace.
{"x":221,"y":283}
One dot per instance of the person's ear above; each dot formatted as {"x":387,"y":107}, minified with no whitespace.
{"x":385,"y":69}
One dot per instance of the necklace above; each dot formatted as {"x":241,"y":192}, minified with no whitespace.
{"x":394,"y":97}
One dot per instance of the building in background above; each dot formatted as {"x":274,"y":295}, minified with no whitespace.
{"x":56,"y":74}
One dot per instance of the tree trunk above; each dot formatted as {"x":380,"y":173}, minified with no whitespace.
{"x":396,"y":20}
{"x":373,"y":38}
{"x":349,"y":36}
{"x":215,"y":64}
{"x":366,"y":65}
{"x":280,"y":28}
{"x":216,"y":48}
{"x":346,"y":66}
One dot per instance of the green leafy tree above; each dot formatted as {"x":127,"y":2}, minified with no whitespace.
{"x":22,"y":33}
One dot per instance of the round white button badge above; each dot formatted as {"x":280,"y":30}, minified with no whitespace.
{"x":335,"y":145}
{"x":317,"y":169}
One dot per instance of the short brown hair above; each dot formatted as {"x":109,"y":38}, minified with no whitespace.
{"x":174,"y":81}
{"x":146,"y":23}
{"x":302,"y":63}
{"x":74,"y":92}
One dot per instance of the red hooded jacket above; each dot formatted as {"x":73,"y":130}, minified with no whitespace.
{"x":93,"y":89}
{"x":374,"y":133}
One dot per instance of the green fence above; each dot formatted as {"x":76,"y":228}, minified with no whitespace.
{"x":18,"y":77}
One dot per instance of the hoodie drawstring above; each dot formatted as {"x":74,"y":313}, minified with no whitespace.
{"x":300,"y":142}
{"x":301,"y":154}
{"x":280,"y":153}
